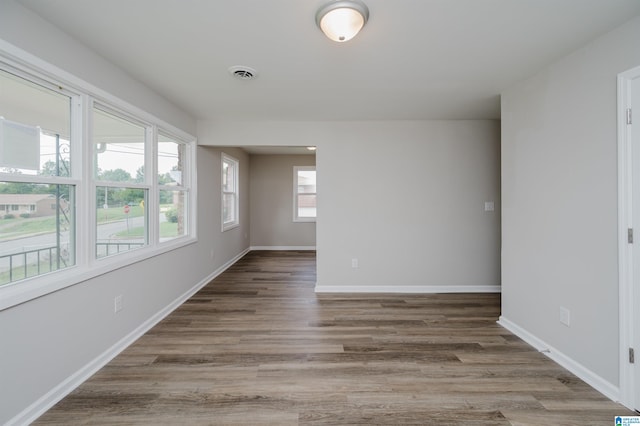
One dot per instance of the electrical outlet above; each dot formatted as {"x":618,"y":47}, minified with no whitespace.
{"x":565,"y":316}
{"x":117,"y":304}
{"x":489,"y":206}
{"x":354,"y":262}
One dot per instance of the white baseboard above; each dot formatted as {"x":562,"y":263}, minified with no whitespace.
{"x":426,"y":289}
{"x":583,"y":373}
{"x":282,"y":248}
{"x":39,"y":407}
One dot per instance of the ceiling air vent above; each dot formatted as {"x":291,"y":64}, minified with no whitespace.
{"x":243,"y":73}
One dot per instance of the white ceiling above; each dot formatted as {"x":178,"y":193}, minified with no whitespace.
{"x":415,"y":59}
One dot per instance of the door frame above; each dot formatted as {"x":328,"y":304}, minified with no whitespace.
{"x":629,"y":389}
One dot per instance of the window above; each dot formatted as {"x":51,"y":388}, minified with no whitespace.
{"x":35,"y":164}
{"x":230,"y":217}
{"x":173,"y":188}
{"x":126,"y":189}
{"x":121,"y":190}
{"x":304,"y":194}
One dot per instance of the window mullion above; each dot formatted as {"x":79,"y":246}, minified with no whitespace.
{"x":125,"y":185}
{"x":80,"y":154}
{"x":151,"y":177}
{"x":89,"y":220}
{"x":52,"y":180}
{"x":172,"y":188}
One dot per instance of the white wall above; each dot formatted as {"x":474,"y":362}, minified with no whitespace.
{"x":404,"y":197}
{"x":46,"y":341}
{"x":559,"y":201}
{"x":407,"y":200}
{"x":271,"y":202}
{"x":225,"y":245}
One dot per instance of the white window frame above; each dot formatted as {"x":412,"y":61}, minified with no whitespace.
{"x":235,"y":222}
{"x":25,"y":65}
{"x":74,"y":179}
{"x":297,"y":218}
{"x":185,"y":184}
{"x":146,"y":186}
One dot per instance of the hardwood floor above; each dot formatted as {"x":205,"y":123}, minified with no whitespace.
{"x":256,"y":346}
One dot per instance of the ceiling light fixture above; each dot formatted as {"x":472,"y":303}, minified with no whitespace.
{"x":311,"y":148}
{"x":341,"y":20}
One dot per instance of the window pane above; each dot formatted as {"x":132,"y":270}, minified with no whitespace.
{"x":306,"y":181}
{"x":228,"y":176}
{"x":171,"y":156}
{"x":304,"y":197}
{"x":37,"y":230}
{"x":173,"y":214}
{"x":35,"y":125}
{"x":230,"y":216}
{"x":121,"y":220}
{"x":307,"y":205}
{"x":119,"y":146}
{"x":228,"y":208}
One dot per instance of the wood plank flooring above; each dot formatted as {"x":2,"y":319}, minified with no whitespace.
{"x":257,"y":346}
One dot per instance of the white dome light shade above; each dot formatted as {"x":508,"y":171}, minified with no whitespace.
{"x":342,"y":20}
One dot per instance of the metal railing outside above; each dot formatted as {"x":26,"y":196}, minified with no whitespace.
{"x":31,"y":263}
{"x":119,"y":247}
{"x":45,"y":259}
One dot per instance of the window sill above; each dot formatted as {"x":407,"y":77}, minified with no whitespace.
{"x":230,"y":226}
{"x":304,"y":219}
{"x":32,"y":288}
